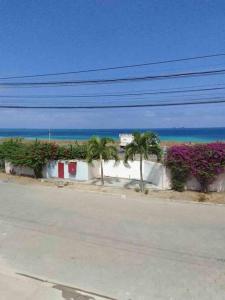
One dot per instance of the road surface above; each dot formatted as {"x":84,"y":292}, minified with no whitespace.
{"x":72,"y":244}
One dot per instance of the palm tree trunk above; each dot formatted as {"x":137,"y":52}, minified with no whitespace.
{"x":141,"y":174}
{"x":102,"y":175}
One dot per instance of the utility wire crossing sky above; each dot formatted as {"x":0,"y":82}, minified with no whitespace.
{"x":156,"y":68}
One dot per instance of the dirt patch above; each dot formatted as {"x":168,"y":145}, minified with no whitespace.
{"x":156,"y":194}
{"x":4,"y":178}
{"x":189,"y":196}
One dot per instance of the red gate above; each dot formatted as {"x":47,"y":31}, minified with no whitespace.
{"x":61,"y":170}
{"x":72,"y":168}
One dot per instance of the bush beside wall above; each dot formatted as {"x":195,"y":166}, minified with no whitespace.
{"x":203,"y":161}
{"x":36,"y":155}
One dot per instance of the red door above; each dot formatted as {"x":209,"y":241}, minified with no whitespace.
{"x":61,"y":170}
{"x":72,"y":168}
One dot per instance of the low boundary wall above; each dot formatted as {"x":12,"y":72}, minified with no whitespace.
{"x":153,"y":172}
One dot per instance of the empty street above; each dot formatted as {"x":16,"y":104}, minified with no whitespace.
{"x":111,"y":245}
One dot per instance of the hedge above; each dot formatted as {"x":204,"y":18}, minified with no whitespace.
{"x":37,"y":154}
{"x":203,"y":161}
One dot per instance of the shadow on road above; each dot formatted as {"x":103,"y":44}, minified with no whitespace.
{"x":71,"y":294}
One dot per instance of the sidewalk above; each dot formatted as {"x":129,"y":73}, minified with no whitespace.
{"x":13,"y":286}
{"x":21,"y":287}
{"x":111,"y":182}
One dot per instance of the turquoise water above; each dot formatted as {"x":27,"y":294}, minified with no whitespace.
{"x":167,"y":134}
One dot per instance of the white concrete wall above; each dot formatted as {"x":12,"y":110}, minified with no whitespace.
{"x":157,"y":174}
{"x":94,"y":169}
{"x":51,"y":170}
{"x":122,"y":170}
{"x":153,"y":172}
{"x":83,"y":171}
{"x":217,"y":186}
{"x":11,"y":169}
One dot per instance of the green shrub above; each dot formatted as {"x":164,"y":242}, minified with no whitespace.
{"x":10,"y":148}
{"x":179,"y":175}
{"x":36,"y":155}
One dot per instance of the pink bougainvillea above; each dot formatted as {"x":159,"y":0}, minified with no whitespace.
{"x":204,"y":161}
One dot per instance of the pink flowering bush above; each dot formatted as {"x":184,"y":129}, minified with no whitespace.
{"x":203,"y":161}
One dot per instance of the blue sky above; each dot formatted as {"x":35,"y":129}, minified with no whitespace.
{"x":45,"y":36}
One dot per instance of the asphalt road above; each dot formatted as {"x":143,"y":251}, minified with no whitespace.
{"x":110,"y":245}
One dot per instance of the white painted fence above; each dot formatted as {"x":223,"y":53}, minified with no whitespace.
{"x":122,"y":170}
{"x":157,"y":174}
{"x":153,"y":172}
{"x":83,"y":170}
{"x":21,"y":171}
{"x":217,"y":186}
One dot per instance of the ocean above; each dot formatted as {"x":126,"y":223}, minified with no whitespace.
{"x":167,"y":134}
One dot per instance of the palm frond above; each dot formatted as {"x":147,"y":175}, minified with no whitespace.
{"x":144,"y":144}
{"x":101,"y":148}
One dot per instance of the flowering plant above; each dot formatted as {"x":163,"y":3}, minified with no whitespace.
{"x":36,"y":155}
{"x":204,"y":161}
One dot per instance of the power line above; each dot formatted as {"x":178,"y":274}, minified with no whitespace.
{"x":116,"y":67}
{"x":112,"y":95}
{"x":49,"y":96}
{"x":114,"y":80}
{"x":115,"y":102}
{"x":114,"y":106}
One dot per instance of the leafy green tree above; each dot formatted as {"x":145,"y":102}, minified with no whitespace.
{"x":143,"y":144}
{"x":10,"y":148}
{"x":101,"y":149}
{"x":73,"y":151}
{"x":37,"y":155}
{"x":34,"y":155}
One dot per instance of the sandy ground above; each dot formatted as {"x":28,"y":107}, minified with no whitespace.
{"x":69,"y":142}
{"x":169,"y":194}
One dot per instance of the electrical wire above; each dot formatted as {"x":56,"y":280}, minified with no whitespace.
{"x":117,"y":67}
{"x":113,"y":95}
{"x":202,"y":102}
{"x":114,"y":80}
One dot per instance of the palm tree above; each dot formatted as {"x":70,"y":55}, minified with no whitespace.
{"x":143,"y":144}
{"x":102,"y":149}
